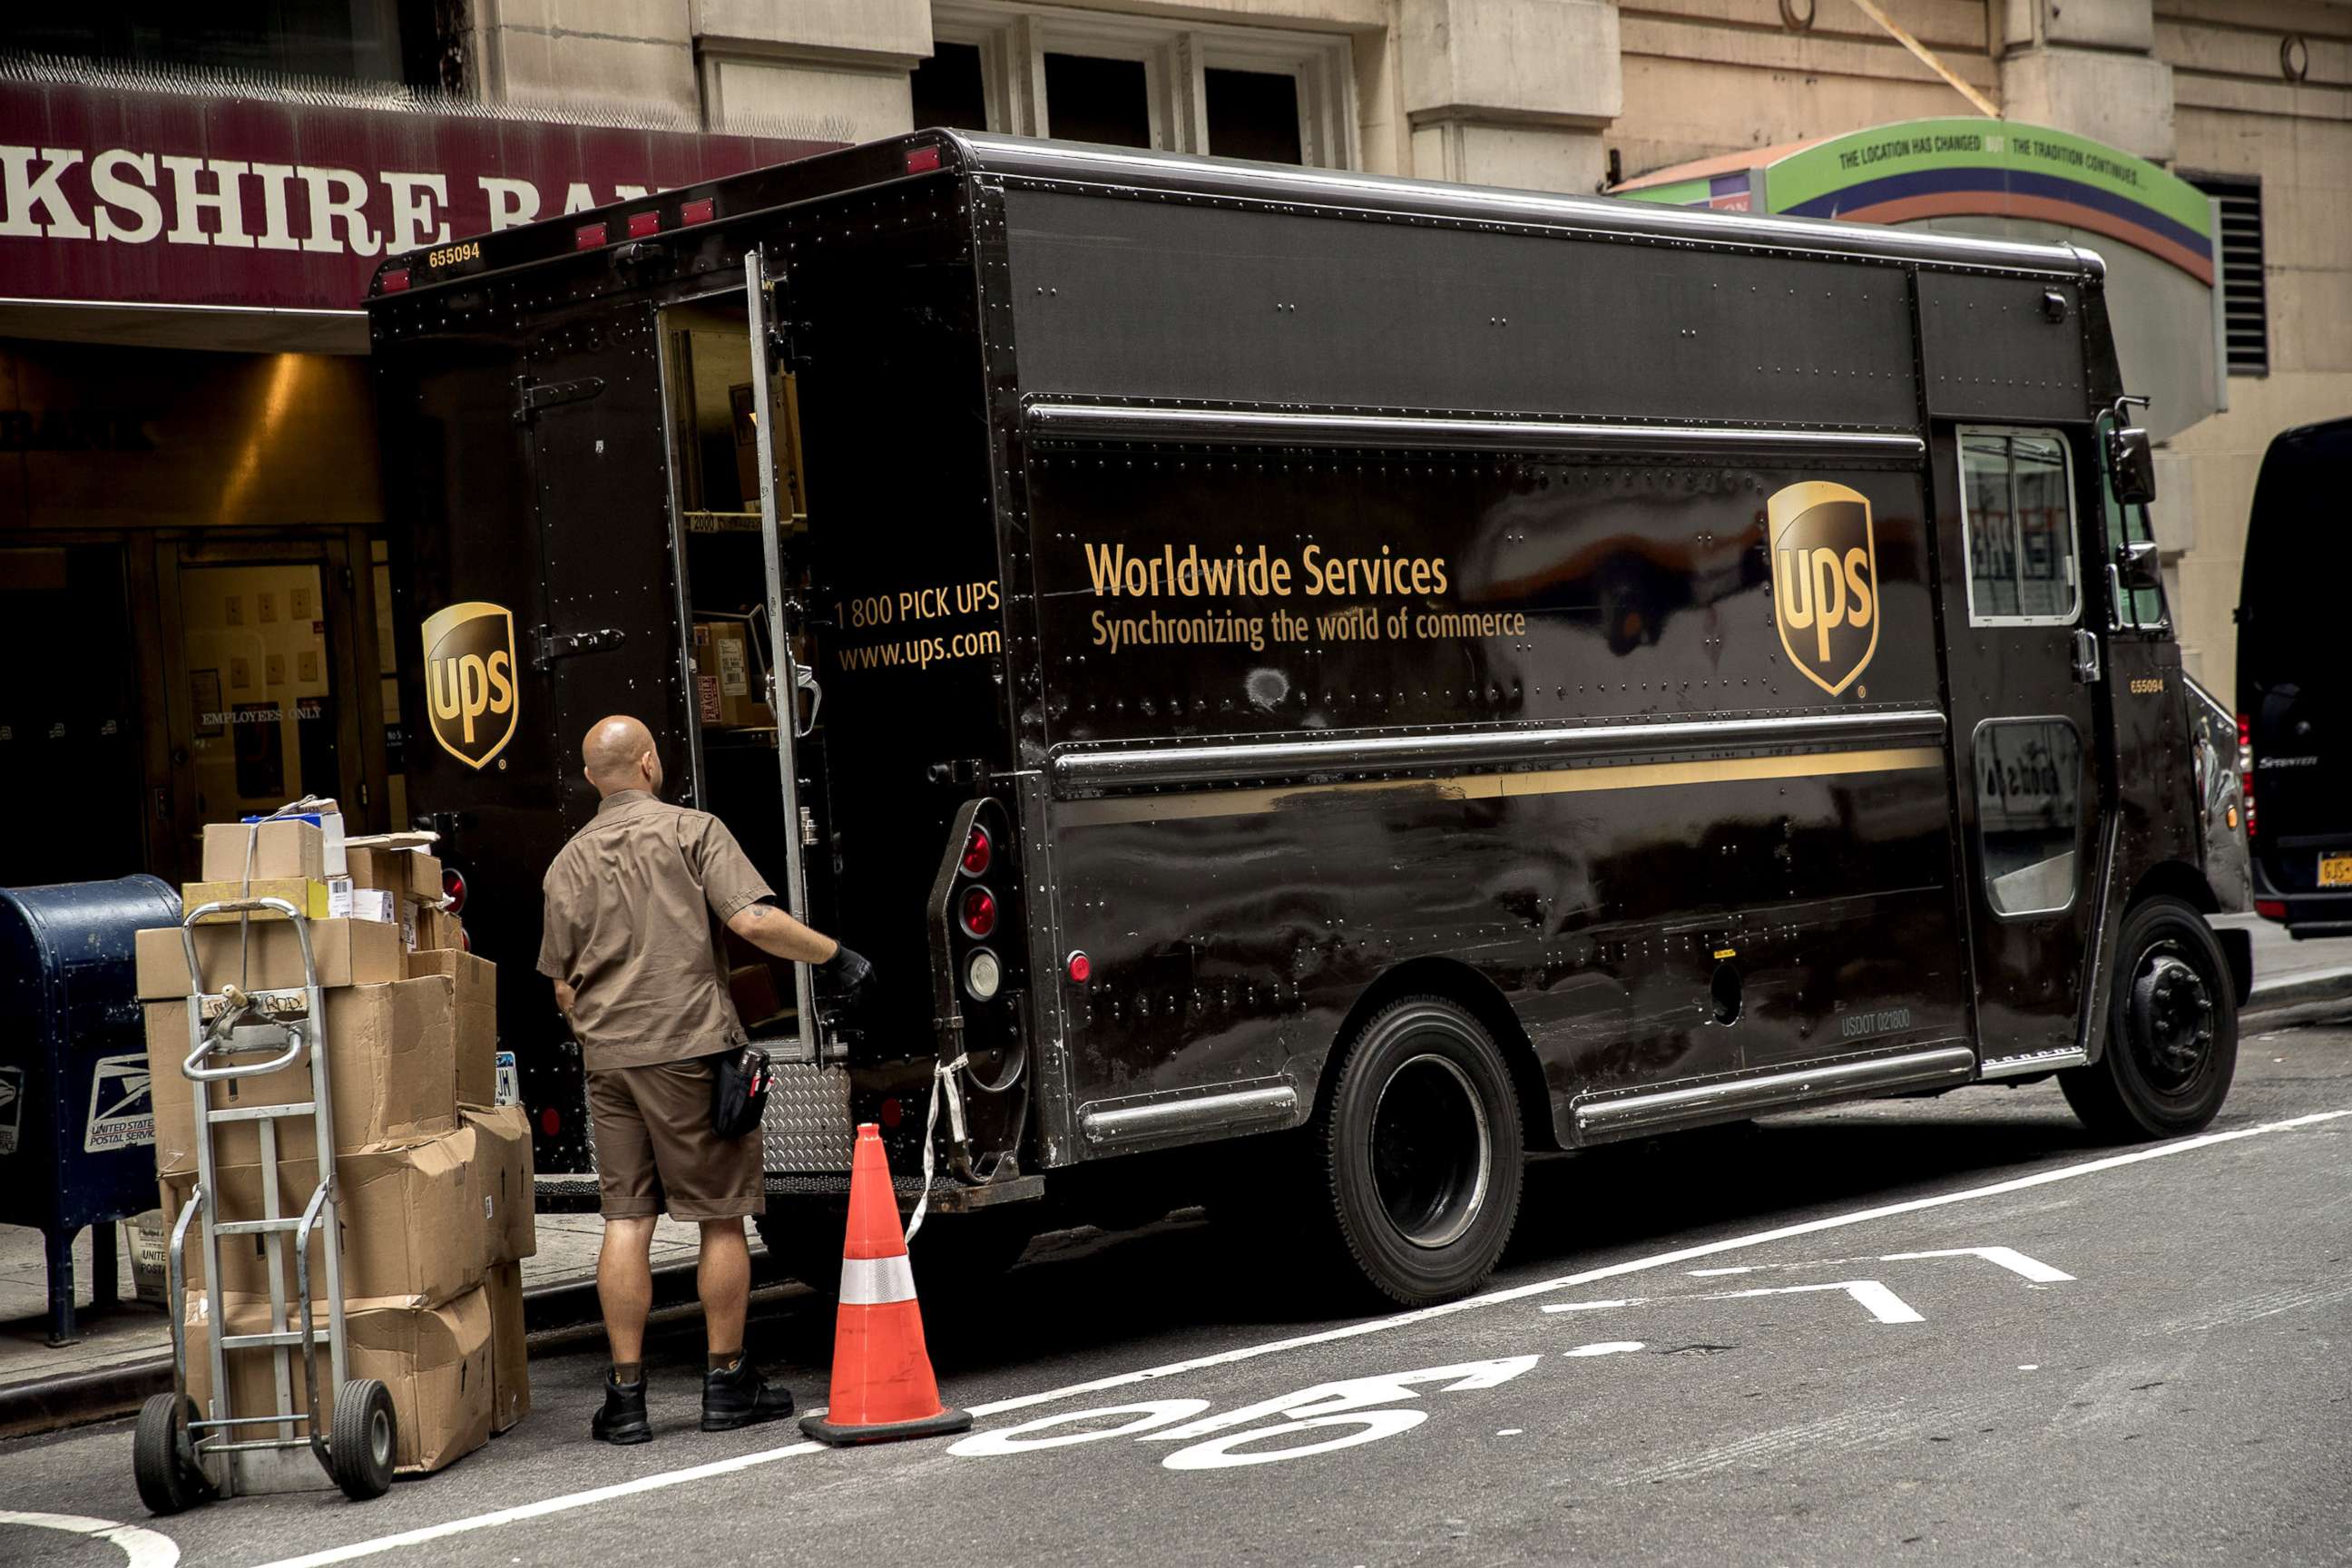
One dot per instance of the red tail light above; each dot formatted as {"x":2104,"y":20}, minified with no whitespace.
{"x":977,"y":851}
{"x":551,"y":1120}
{"x":2270,"y":908}
{"x":978,"y":911}
{"x":702,"y":210}
{"x":922,"y":159}
{"x":395,"y":280}
{"x":588,"y":236}
{"x":453,"y":888}
{"x":2246,"y":780}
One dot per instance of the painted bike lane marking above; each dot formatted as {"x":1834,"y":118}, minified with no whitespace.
{"x":571,"y":1500}
{"x":144,"y":1548}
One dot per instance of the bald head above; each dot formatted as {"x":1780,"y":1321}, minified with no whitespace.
{"x":618,"y":754}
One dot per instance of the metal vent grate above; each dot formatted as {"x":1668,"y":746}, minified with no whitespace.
{"x":2245,"y":298}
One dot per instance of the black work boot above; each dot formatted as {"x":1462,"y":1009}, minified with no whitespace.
{"x":622,"y":1419}
{"x":740,"y":1396}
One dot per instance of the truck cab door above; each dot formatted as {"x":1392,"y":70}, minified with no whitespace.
{"x":2019,"y":525}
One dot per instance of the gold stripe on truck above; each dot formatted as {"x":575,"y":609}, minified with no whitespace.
{"x":1493,"y":786}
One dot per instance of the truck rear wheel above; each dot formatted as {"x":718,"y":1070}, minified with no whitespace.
{"x":2173,"y":1030}
{"x":1418,"y":1152}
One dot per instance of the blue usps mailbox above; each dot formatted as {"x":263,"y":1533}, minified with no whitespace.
{"x":77,"y":1117}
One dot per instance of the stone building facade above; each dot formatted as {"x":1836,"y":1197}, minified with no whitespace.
{"x":2253,"y":97}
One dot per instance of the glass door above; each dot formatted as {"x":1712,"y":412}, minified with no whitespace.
{"x":268,"y":706}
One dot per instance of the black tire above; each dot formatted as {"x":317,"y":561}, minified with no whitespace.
{"x":365,"y":1439}
{"x":1418,"y":1154}
{"x":2173,"y":1030}
{"x":168,"y":1480}
{"x":804,"y":1239}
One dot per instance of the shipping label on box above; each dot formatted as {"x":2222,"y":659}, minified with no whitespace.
{"x":393,"y":1069}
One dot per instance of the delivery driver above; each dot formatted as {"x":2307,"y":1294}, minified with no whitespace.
{"x":640,"y":976}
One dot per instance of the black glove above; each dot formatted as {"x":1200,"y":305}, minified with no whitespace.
{"x":850,"y":971}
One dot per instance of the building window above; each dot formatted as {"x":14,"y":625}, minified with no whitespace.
{"x":1097,"y":99}
{"x":950,"y":89}
{"x":1131,"y":81}
{"x":1253,"y":114}
{"x":2246,"y":300}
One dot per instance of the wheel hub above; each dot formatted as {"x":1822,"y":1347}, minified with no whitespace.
{"x":2172,"y":1017}
{"x":1432,"y":1156}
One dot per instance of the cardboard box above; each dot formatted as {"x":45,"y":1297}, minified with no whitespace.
{"x":437,"y":930}
{"x":477,"y":982}
{"x":348,"y":953}
{"x":412,"y":1226}
{"x":722,"y":658}
{"x":409,"y":1227}
{"x":508,"y":1198}
{"x":291,"y":848}
{"x":509,"y":1347}
{"x":436,"y":1360}
{"x":393,"y":1065}
{"x":403,"y":873}
{"x":309,"y":896}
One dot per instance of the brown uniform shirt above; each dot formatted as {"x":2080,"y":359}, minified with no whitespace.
{"x":629,"y":907}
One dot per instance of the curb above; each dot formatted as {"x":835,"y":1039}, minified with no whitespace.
{"x":2300,"y":990}
{"x":76,"y":1399}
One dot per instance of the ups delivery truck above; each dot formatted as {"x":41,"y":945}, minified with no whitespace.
{"x":1347,"y":680}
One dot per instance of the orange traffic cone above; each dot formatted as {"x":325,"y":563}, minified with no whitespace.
{"x":882,"y":1383}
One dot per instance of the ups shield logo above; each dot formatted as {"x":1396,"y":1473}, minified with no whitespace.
{"x":1824,"y":581}
{"x":469,"y":670}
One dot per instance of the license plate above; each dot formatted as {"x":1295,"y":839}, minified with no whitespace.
{"x":2336,"y":871}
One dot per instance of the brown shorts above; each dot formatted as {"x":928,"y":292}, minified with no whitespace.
{"x":656,"y":1152}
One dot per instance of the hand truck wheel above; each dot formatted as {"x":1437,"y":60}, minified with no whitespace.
{"x":363,"y":1445}
{"x":162,"y":1461}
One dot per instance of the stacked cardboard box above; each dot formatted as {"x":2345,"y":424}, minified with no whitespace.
{"x":434,"y":1180}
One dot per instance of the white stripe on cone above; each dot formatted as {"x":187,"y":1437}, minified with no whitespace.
{"x":876,"y":1281}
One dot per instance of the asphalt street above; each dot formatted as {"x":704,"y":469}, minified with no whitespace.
{"x":1949,"y":1330}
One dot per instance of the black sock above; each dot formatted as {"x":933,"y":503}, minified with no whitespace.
{"x":727,"y":1362}
{"x":628,"y":1374}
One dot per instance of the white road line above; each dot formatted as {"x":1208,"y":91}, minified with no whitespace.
{"x":144,"y":1547}
{"x":1598,"y":1306}
{"x":2008,"y":1257}
{"x":1328,"y":1336}
{"x":1877,"y":1298}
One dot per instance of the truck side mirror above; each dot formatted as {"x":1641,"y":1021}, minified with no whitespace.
{"x":2136,"y":565}
{"x":2131,"y":465}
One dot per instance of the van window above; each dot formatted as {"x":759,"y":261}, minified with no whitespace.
{"x":2028,"y":776}
{"x":2017,"y":524}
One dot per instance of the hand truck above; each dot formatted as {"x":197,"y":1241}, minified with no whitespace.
{"x":182,"y":1455}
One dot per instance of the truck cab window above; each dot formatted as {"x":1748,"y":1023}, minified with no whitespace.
{"x":2017,"y":519}
{"x":2028,"y":775}
{"x":2132,"y":609}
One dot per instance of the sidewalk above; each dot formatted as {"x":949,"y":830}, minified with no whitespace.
{"x":2287,"y":972}
{"x":124,"y":1352}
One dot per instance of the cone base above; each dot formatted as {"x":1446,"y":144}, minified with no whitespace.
{"x":944,"y":1424}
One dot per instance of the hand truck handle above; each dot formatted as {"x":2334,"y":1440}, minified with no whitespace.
{"x":287,"y":1058}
